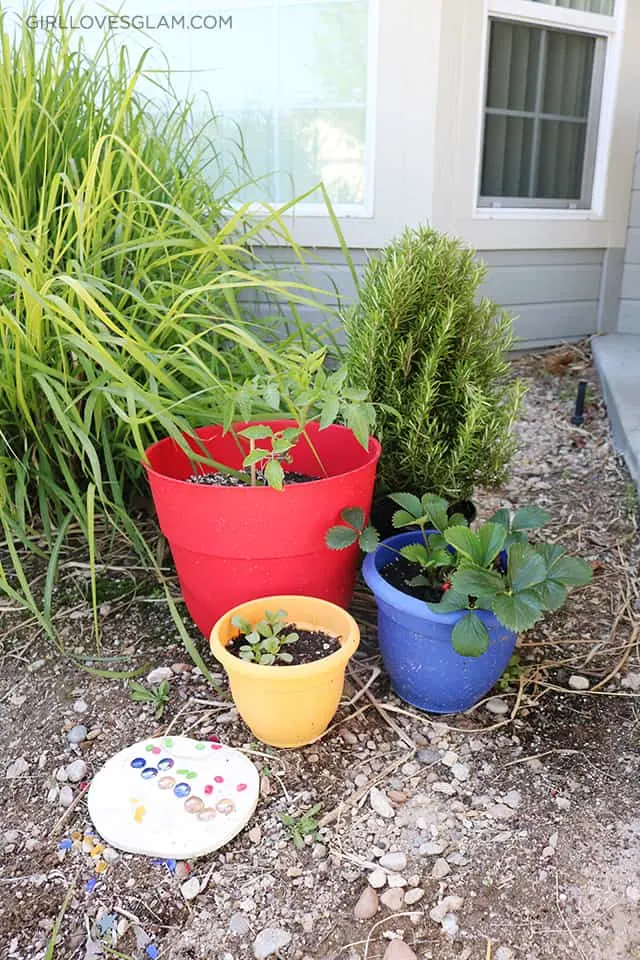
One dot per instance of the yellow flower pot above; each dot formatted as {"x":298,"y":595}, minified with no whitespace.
{"x":288,"y":706}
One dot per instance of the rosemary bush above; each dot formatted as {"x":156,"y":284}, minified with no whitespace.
{"x":425,"y":346}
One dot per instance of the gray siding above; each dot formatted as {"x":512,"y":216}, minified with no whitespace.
{"x":553,"y":294}
{"x":629,"y":312}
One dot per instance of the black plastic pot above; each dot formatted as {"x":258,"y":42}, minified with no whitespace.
{"x":383,"y":509}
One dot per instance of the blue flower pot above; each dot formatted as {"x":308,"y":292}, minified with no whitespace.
{"x":416,"y":644}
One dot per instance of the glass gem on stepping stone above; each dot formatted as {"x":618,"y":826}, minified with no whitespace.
{"x":152,"y":798}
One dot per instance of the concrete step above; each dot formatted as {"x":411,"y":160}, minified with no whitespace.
{"x":617,"y":359}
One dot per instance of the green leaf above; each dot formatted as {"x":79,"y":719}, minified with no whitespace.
{"x":416,"y":553}
{"x":529,"y":518}
{"x":259,"y":431}
{"x":267,"y":659}
{"x":437,"y":508}
{"x":440,"y":558}
{"x":369,"y":539}
{"x":458,"y":520}
{"x":241,"y":623}
{"x":274,"y":475}
{"x":419,"y":581}
{"x":246,"y":653}
{"x":518,"y":611}
{"x":438,"y":542}
{"x":492,"y":537}
{"x":402,"y":519}
{"x":477,"y":582}
{"x":291,"y":434}
{"x":502,"y":517}
{"x":255,"y":456}
{"x":285,"y":657}
{"x":525,"y":567}
{"x":358,"y":422}
{"x":550,"y":553}
{"x":271,"y":396}
{"x":339,"y":538}
{"x":330,"y":411}
{"x":470,"y":637}
{"x":552,"y":594}
{"x":572,"y":571}
{"x":465,"y":542}
{"x":354,"y":516}
{"x":451,"y":601}
{"x":281,"y":445}
{"x":408,"y":502}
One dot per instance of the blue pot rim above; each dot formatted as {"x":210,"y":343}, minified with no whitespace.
{"x":383,"y":590}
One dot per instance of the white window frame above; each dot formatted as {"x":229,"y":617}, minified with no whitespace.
{"x":460,"y":124}
{"x":609,"y":28}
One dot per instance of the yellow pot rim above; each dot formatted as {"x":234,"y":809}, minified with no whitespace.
{"x":349,"y":639}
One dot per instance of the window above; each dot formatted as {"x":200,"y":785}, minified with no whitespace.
{"x":542,"y":109}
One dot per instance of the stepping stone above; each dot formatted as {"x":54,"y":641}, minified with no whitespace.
{"x":173,"y":797}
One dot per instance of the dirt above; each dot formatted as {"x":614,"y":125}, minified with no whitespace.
{"x":230,"y":480}
{"x":399,"y":574}
{"x":309,"y":646}
{"x":535,"y":811}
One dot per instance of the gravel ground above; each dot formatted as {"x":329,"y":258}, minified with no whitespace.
{"x":509,"y":833}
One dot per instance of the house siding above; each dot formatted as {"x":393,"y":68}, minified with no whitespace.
{"x":629,"y":311}
{"x":554,"y":295}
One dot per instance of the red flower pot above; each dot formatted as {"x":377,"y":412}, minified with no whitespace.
{"x":232,"y":544}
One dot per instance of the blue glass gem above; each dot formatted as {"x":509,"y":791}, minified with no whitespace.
{"x":165,"y":764}
{"x":152,"y":951}
{"x":65,"y":845}
{"x":91,"y":884}
{"x":148,"y":772}
{"x":182,"y":789}
{"x":138,"y":762}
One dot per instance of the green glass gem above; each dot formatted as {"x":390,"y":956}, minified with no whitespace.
{"x":182,"y":773}
{"x":149,"y":747}
{"x":191,"y":775}
{"x":200,"y":746}
{"x":168,"y":742}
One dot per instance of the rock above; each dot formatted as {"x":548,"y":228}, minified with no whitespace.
{"x":182,"y":870}
{"x":11,"y":836}
{"x":399,"y":950}
{"x":512,"y":799}
{"x":450,"y":924}
{"x":65,"y":797}
{"x":497,"y":705}
{"x":504,"y":953}
{"x":449,"y":758}
{"x":633,"y":894}
{"x":76,"y":771}
{"x":563,"y":803}
{"x":380,"y":804}
{"x":367,"y":905}
{"x":413,"y":896}
{"x":109,"y":855}
{"x":460,"y":771}
{"x":190,"y":888}
{"x":319,"y":851}
{"x":631,"y":682}
{"x":500,"y":811}
{"x":393,"y":899}
{"x":443,"y":787}
{"x":255,"y":835}
{"x":377,"y":879}
{"x":396,"y":861}
{"x":77,"y":734}
{"x":396,"y":880}
{"x":398,"y":796}
{"x":447,"y":905}
{"x":239,"y":924}
{"x":432,"y":849}
{"x":159,"y":675}
{"x":269,"y":941}
{"x":80,"y":706}
{"x":61,"y":775}
{"x":576,"y":682}
{"x":441,"y":869}
{"x":17,"y":769}
{"x":428,"y":756}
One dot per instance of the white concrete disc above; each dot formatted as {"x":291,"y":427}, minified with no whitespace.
{"x":173,"y":797}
